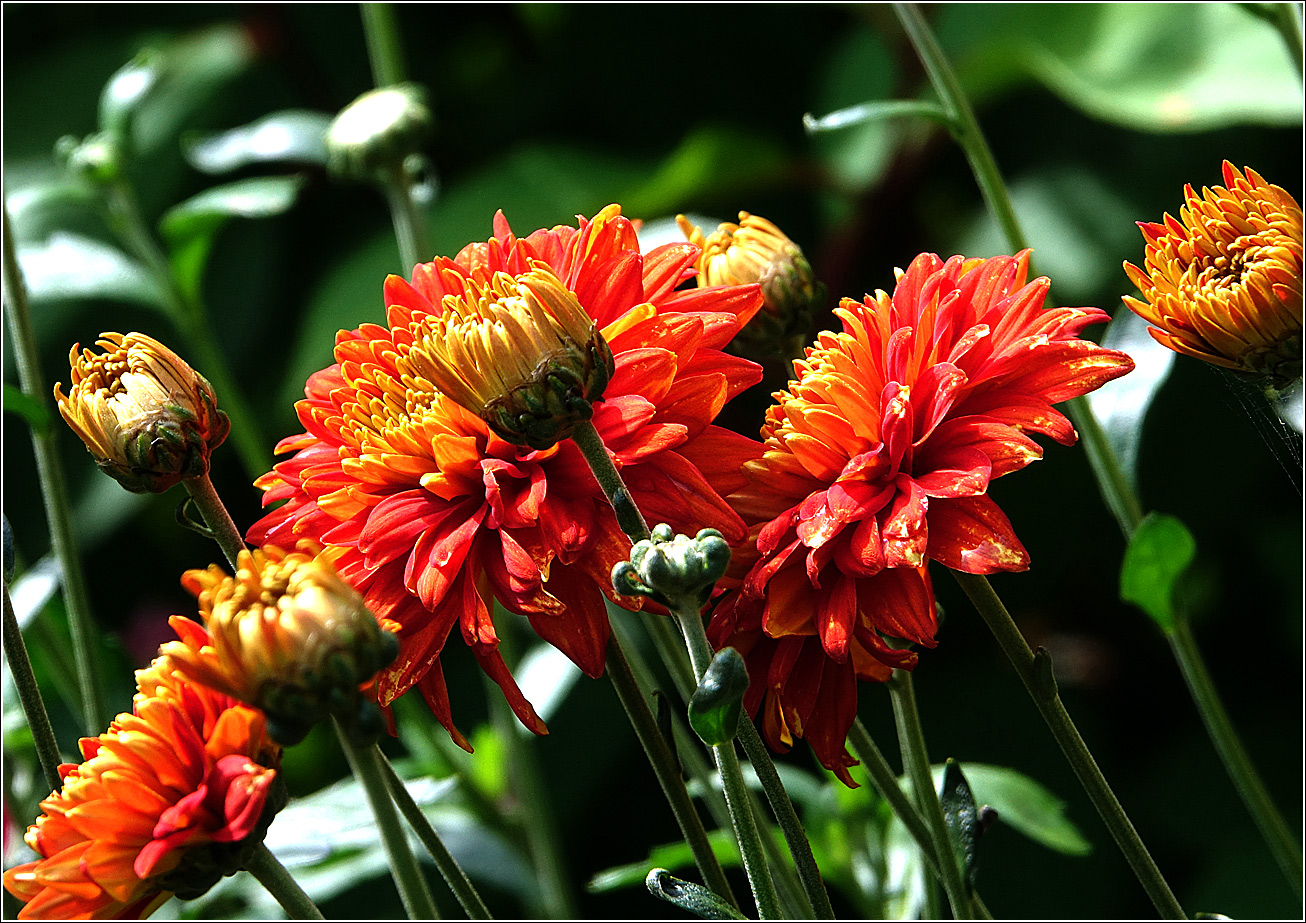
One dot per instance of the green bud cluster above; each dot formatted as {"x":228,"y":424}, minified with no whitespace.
{"x":671,"y":570}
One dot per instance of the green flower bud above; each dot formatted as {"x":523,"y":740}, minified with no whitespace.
{"x":376,"y":133}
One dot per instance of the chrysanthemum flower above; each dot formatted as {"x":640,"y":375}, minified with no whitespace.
{"x":149,"y":419}
{"x":285,"y":635}
{"x":1224,"y":282}
{"x":877,"y":459}
{"x":169,"y":799}
{"x":434,"y":517}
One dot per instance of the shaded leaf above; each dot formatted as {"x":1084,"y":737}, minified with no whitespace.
{"x":125,"y":90}
{"x":1159,"y":552}
{"x":296,"y":135}
{"x":710,"y":161}
{"x":1121,"y":405}
{"x":1026,"y":806}
{"x":27,"y":407}
{"x":71,"y":266}
{"x":686,"y":895}
{"x":961,"y":817}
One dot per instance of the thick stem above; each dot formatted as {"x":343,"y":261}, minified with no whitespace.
{"x":54,"y":492}
{"x":1036,"y":674}
{"x":1287,"y":851}
{"x":217,"y":518}
{"x":273,"y":876}
{"x":629,"y":518}
{"x":667,"y":770}
{"x":447,"y":865}
{"x":385,"y":51}
{"x":29,"y":696}
{"x":366,"y":766}
{"x":916,"y":760}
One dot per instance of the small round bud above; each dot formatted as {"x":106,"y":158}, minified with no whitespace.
{"x":149,"y":419}
{"x":668,"y":570}
{"x":377,"y":132}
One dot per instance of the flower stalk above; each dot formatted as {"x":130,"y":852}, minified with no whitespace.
{"x":221,"y":526}
{"x":29,"y":696}
{"x":916,"y":760}
{"x":629,"y":518}
{"x":1035,"y":672}
{"x":54,"y":492}
{"x":278,"y":882}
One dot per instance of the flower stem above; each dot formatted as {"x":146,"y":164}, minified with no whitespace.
{"x":1287,"y":852}
{"x":273,"y":876}
{"x":216,"y":517}
{"x":916,"y":760}
{"x":667,"y":770}
{"x":54,"y":492}
{"x":384,"y":49}
{"x":29,"y":696}
{"x":447,"y":865}
{"x":366,"y":766}
{"x":409,"y":222}
{"x":886,"y":783}
{"x":1036,"y":673}
{"x":732,"y":780}
{"x":629,"y":518}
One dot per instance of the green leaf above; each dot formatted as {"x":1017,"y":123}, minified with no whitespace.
{"x":1025,"y":806}
{"x":961,"y":817}
{"x":126,"y":89}
{"x":671,"y":855}
{"x":71,"y":266}
{"x":191,"y":227}
{"x":1161,"y":67}
{"x":711,"y":160}
{"x":27,"y":407}
{"x":295,"y":135}
{"x":686,"y":895}
{"x":1159,"y":552}
{"x":1121,"y":405}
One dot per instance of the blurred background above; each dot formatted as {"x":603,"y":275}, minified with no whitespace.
{"x":1097,"y":114}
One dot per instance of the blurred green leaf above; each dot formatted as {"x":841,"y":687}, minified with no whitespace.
{"x":712,"y":161}
{"x":191,"y":227}
{"x":70,"y":266}
{"x":27,"y":407}
{"x":1149,"y":66}
{"x":1159,"y":552}
{"x":125,"y":90}
{"x":1121,"y":405}
{"x":858,"y":68}
{"x":670,"y":856}
{"x":545,"y":676}
{"x":961,"y":817}
{"x":39,"y":208}
{"x":294,"y":135}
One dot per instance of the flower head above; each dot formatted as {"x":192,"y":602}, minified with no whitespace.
{"x":169,"y":799}
{"x":149,"y":419}
{"x":285,"y":635}
{"x":1224,"y":282}
{"x":434,"y":517}
{"x":520,"y":352}
{"x":879,"y":458}
{"x":755,"y":250}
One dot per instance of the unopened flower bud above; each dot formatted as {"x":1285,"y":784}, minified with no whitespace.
{"x":149,"y":419}
{"x":756,"y":251}
{"x":670,"y":569}
{"x":376,"y":132}
{"x":289,"y":637}
{"x":521,"y":353}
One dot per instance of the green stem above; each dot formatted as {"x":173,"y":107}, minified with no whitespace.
{"x":447,"y":865}
{"x":273,"y":876}
{"x":29,"y":696}
{"x":1036,"y":674}
{"x":1284,"y":18}
{"x":1287,"y":852}
{"x":216,"y":517}
{"x":385,"y":51}
{"x":886,"y":783}
{"x":366,"y":766}
{"x":916,"y":760}
{"x":667,"y":769}
{"x":732,"y":780}
{"x":54,"y":492}
{"x":409,"y":222}
{"x":629,"y":518}
{"x":1114,"y":486}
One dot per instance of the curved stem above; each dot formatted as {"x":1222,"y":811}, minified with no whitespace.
{"x":273,"y":876}
{"x":448,"y":866}
{"x":1287,"y":851}
{"x":216,"y":518}
{"x":1036,"y":674}
{"x":916,"y":760}
{"x":366,"y":766}
{"x":54,"y":491}
{"x":29,"y":696}
{"x":667,"y":769}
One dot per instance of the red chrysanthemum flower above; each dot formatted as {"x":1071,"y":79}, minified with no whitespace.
{"x":433,"y":517}
{"x":878,"y":458}
{"x":169,"y":799}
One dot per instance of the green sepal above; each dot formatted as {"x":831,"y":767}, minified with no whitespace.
{"x":714,"y":709}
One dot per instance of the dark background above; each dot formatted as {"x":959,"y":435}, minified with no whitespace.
{"x":549,"y":111}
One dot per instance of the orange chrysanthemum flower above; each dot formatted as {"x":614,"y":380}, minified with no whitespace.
{"x":878,"y":458}
{"x":1224,"y":282}
{"x":433,"y":516}
{"x":170,"y":798}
